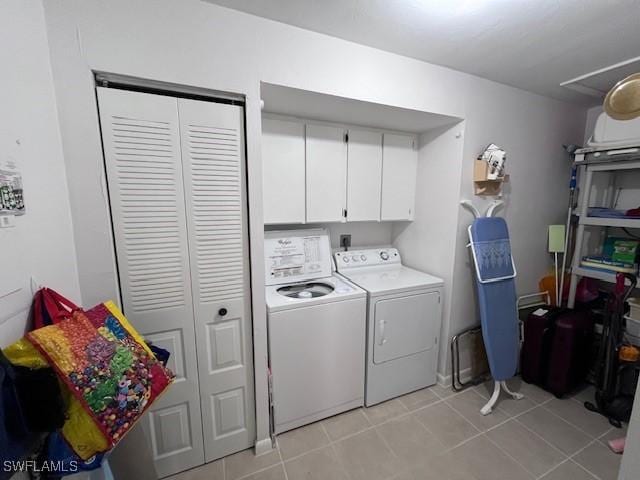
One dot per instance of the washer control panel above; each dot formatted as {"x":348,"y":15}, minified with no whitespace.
{"x":366,"y":258}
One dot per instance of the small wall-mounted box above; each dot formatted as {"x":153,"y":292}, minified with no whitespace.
{"x":483,"y":185}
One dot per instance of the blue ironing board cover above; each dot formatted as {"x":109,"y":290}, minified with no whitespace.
{"x":491,"y":250}
{"x":495,"y":275}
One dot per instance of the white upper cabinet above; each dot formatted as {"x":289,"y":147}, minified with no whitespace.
{"x":399,"y":169}
{"x":283,"y":158}
{"x":364,"y":175}
{"x":322,"y":173}
{"x":326,"y":180}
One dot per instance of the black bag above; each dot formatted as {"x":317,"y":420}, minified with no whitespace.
{"x":40,"y":398}
{"x":556,"y":349}
{"x":14,"y":433}
{"x":569,"y":357}
{"x":31,"y":404}
{"x":539,"y":328}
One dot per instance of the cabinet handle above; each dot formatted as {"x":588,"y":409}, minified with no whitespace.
{"x":381,"y":324}
{"x":222,"y":312}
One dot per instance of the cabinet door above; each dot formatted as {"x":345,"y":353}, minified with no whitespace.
{"x":283,"y":169}
{"x":326,"y":173}
{"x":214,"y":171}
{"x":143,"y":162}
{"x":364,"y":175}
{"x":399,"y":169}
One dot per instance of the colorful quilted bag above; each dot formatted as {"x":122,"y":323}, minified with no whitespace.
{"x":109,"y":370}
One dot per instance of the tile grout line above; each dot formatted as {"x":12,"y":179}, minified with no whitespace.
{"x":515,"y":418}
{"x":594,"y":437}
{"x":430,"y":432}
{"x":501,"y":410}
{"x":438,"y":399}
{"x":565,"y":460}
{"x":579,"y":464}
{"x":408,"y":412}
{"x":473,"y":424}
{"x":260,"y":470}
{"x":386,"y":444}
{"x":533,"y":475}
{"x":542,"y":438}
{"x":286,"y":475}
{"x":476,"y":428}
{"x":569,"y":458}
{"x":509,"y":417}
{"x":369,"y":427}
{"x":332,"y":444}
{"x":497,"y":405}
{"x":335,"y":453}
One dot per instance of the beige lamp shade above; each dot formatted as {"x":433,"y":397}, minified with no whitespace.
{"x":623,"y":100}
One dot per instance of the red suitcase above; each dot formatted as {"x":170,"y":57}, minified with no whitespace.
{"x":569,"y":357}
{"x":537,"y":339}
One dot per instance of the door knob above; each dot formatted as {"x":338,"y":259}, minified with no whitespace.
{"x":222,"y":312}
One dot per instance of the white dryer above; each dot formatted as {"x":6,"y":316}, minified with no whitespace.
{"x":404,"y":315}
{"x":316,"y":322}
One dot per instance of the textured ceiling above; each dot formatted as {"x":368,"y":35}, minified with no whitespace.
{"x":531,"y":44}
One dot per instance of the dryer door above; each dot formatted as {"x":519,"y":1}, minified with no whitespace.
{"x":404,"y":326}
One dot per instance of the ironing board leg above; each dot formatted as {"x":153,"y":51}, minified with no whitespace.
{"x":486,"y":410}
{"x":515,"y":395}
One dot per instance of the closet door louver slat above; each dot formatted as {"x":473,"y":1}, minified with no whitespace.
{"x":213,"y":165}
{"x":143,"y":162}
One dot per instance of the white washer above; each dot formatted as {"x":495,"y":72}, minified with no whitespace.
{"x":403,"y":321}
{"x":316,"y":322}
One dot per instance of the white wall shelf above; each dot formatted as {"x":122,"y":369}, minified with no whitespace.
{"x":611,"y":222}
{"x":605,"y":276}
{"x":586,"y":186}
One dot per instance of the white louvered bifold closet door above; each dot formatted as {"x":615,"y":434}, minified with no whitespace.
{"x":142,"y":154}
{"x":213,"y":170}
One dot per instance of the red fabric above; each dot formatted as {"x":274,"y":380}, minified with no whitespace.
{"x":97,"y":314}
{"x":160,"y":380}
{"x":634,"y":212}
{"x":49,"y":307}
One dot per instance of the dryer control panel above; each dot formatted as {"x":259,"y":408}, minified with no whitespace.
{"x":371,"y":257}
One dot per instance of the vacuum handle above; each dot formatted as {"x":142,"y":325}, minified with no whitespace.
{"x":633,"y":281}
{"x":621,"y":291}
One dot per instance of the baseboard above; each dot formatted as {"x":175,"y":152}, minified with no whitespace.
{"x":263,"y":447}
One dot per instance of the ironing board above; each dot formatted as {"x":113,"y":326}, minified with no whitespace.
{"x":495,"y":274}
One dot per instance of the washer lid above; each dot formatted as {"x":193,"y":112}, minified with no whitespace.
{"x":296,"y":255}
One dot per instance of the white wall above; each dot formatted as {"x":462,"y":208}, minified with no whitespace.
{"x":363,"y":234}
{"x":195,"y":43}
{"x":592,"y":116}
{"x":532,"y":130}
{"x":41,"y":244}
{"x":428,"y":243}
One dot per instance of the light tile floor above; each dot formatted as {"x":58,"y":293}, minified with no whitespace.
{"x":434,"y":434}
